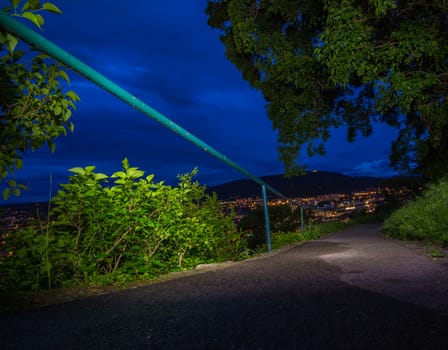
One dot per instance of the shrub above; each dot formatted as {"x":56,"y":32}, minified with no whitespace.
{"x":130,"y":229}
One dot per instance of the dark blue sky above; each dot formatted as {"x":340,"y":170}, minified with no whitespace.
{"x":164,"y":53}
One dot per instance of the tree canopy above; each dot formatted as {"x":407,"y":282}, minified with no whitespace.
{"x":35,"y":106}
{"x":322,"y":64}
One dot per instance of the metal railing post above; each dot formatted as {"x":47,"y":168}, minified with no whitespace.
{"x":266,"y":219}
{"x":302,"y":225}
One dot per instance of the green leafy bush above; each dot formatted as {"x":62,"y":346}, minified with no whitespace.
{"x":281,"y":218}
{"x":33,"y":255}
{"x":425,"y":218}
{"x":131,"y":229}
{"x":35,"y":104}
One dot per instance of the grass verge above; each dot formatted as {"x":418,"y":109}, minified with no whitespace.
{"x":424,"y":219}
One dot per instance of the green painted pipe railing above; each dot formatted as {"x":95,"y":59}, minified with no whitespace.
{"x":20,"y":30}
{"x":39,"y":42}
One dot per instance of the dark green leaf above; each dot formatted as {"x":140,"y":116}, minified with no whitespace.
{"x":15,"y":3}
{"x":31,"y":4}
{"x":11,"y":42}
{"x":6,"y":193}
{"x":52,"y":146}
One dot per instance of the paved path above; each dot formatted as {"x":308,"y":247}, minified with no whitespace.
{"x":402,"y":270}
{"x":351,"y":290}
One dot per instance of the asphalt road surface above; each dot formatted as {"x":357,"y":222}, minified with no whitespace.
{"x":351,"y":290}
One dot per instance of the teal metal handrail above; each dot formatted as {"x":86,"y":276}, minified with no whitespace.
{"x":42,"y":44}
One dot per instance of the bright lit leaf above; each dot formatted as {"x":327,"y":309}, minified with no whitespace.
{"x":119,"y":174}
{"x":63,"y":75}
{"x":36,"y":19}
{"x":101,"y":176}
{"x":51,"y":7}
{"x":72,"y":95}
{"x":40,"y":20}
{"x":125,"y":163}
{"x":12,"y":183}
{"x":57,"y":110}
{"x":77,"y":170}
{"x":67,"y":115}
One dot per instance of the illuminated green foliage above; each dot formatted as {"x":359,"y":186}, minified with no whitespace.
{"x":113,"y":229}
{"x":35,"y":105}
{"x":425,"y":218}
{"x":331,"y":63}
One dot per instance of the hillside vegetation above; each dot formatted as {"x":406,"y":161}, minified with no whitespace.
{"x":122,"y":228}
{"x":425,"y":218}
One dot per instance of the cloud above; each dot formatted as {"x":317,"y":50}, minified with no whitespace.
{"x":378,"y":167}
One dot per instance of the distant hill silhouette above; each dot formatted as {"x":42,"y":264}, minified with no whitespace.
{"x":310,"y":184}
